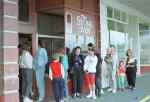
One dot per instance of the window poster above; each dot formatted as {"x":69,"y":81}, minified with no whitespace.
{"x":68,"y":26}
{"x":80,"y":40}
{"x":70,"y":41}
{"x":90,"y":39}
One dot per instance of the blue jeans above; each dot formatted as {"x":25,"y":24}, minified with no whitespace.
{"x":58,"y":89}
{"x":66,"y":86}
{"x":40,"y":81}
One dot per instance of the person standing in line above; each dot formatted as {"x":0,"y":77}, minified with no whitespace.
{"x":112,"y":64}
{"x":107,"y":70}
{"x":26,"y":65}
{"x":20,"y":72}
{"x":90,"y":70}
{"x":57,"y":74}
{"x":113,"y":83}
{"x":131,"y":69}
{"x":76,"y":70}
{"x":121,"y":75}
{"x":98,"y":73}
{"x":64,"y":62}
{"x":40,"y":61}
{"x":98,"y":69}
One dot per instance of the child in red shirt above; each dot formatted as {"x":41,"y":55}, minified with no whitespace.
{"x":56,"y":74}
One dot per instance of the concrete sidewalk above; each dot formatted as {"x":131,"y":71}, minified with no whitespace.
{"x":142,"y":90}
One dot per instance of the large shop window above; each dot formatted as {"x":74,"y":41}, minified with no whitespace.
{"x":73,"y":40}
{"x":117,"y":20}
{"x":51,"y":25}
{"x":144,"y":41}
{"x":115,"y":14}
{"x":117,"y":26}
{"x":24,"y":10}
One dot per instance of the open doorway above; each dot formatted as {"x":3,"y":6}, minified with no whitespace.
{"x":52,"y":45}
{"x":25,"y":39}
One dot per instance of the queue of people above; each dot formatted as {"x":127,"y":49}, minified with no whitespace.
{"x":109,"y":73}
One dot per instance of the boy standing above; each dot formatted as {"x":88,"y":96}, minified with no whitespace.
{"x":90,"y":69}
{"x":56,"y":74}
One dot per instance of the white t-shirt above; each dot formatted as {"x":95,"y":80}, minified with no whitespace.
{"x":26,"y":60}
{"x":90,"y":64}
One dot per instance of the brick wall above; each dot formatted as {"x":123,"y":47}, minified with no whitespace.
{"x":145,"y":69}
{"x":8,"y":51}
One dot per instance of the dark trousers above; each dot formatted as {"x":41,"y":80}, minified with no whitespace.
{"x":58,"y":89}
{"x":131,"y":76}
{"x":77,"y":80}
{"x":20,"y":84}
{"x":98,"y":86}
{"x":26,"y":82}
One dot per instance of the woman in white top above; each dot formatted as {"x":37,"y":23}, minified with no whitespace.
{"x":90,"y":69}
{"x":26,"y":61}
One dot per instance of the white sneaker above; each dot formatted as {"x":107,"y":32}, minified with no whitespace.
{"x":114,"y":91}
{"x":40,"y":99}
{"x":89,"y":96}
{"x":102,"y":92}
{"x":77,"y":94}
{"x":62,"y":101}
{"x":109,"y":90}
{"x":94,"y":97}
{"x":26,"y":99}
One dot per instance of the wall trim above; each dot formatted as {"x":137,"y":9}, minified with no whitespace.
{"x":10,"y":91}
{"x":10,"y":2}
{"x":10,"y":31}
{"x":5,"y":47}
{"x":50,"y":36}
{"x":11,"y":17}
{"x":6,"y":63}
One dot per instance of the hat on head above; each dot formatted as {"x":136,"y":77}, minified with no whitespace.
{"x":56,"y":56}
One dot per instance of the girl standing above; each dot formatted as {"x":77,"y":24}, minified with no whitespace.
{"x":121,"y":76}
{"x":77,"y":71}
{"x":131,"y":65}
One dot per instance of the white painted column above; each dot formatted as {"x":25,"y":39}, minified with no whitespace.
{"x":104,"y":29}
{"x":104,"y":40}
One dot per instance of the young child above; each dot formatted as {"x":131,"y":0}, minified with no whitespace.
{"x":56,"y":74}
{"x":121,"y":75}
{"x":90,"y":69}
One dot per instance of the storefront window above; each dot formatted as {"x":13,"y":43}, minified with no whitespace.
{"x":120,"y":27}
{"x":117,"y":20}
{"x":119,"y":39}
{"x":123,"y":17}
{"x":110,"y":12}
{"x":73,"y":40}
{"x":144,"y":41}
{"x":117,"y":23}
{"x":111,"y":25}
{"x":24,"y":10}
{"x":51,"y":25}
{"x":117,"y":14}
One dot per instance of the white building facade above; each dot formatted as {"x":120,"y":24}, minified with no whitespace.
{"x":125,"y":27}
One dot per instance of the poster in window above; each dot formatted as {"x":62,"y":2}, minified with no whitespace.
{"x":68,"y":27}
